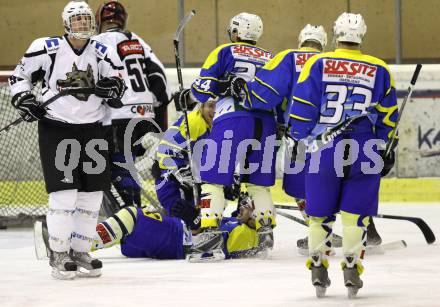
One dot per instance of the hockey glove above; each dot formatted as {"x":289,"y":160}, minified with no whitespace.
{"x":232,"y":87}
{"x":388,"y":162}
{"x":111,"y":88}
{"x":28,"y":107}
{"x":184,"y":176}
{"x":183,"y":101}
{"x":187,"y":213}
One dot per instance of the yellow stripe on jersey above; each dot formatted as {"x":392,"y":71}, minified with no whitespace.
{"x":300,"y":118}
{"x":209,"y":78}
{"x":304,"y":101}
{"x":164,"y":142}
{"x":160,"y":158}
{"x":389,"y":110}
{"x":197,"y":125}
{"x":203,"y":92}
{"x":248,"y":97}
{"x":259,"y":98}
{"x":348,"y":54}
{"x":266,"y":85}
{"x":273,"y":63}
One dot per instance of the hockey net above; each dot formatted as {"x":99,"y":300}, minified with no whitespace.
{"x":23,"y":197}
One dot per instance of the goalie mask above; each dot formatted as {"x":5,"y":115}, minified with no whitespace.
{"x":111,"y":11}
{"x":248,"y":27}
{"x":78,"y":20}
{"x":349,"y":28}
{"x":313,"y":33}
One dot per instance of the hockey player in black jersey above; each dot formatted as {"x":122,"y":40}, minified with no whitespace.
{"x":74,"y":154}
{"x":145,"y":99}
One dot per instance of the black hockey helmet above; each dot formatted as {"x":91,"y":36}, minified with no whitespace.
{"x":111,"y":11}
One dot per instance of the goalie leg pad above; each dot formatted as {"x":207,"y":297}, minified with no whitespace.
{"x":85,"y":220}
{"x":320,"y":234}
{"x":354,"y":237}
{"x":212,"y":204}
{"x":60,"y":219}
{"x":264,"y":212}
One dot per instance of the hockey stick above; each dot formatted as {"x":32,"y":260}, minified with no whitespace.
{"x":180,"y":28}
{"x":390,"y":143}
{"x":424,"y":228}
{"x":69,"y":91}
{"x":291,"y":217}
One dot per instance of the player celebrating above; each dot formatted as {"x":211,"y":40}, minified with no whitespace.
{"x":147,"y":94}
{"x":234,"y":124}
{"x":343,"y":87}
{"x":73,"y":60}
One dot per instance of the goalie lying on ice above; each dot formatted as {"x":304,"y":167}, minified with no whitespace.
{"x":153,"y":235}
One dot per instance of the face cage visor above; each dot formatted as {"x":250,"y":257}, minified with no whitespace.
{"x":81,"y":26}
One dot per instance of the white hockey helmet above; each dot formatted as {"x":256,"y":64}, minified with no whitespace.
{"x":249,"y":27}
{"x":313,"y":33}
{"x":349,"y":28}
{"x":79,"y":20}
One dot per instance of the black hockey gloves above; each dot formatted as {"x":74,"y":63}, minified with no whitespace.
{"x":182,"y":100}
{"x":28,"y":107}
{"x":113,"y":89}
{"x":186,"y":212}
{"x":388,"y":161}
{"x":233,"y":87}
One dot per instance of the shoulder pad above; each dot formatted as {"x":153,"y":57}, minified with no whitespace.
{"x":100,"y":49}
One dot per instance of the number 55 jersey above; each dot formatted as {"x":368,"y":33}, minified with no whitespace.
{"x":336,"y":86}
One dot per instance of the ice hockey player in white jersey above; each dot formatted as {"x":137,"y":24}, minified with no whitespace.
{"x":70,"y":131}
{"x":146,"y":97}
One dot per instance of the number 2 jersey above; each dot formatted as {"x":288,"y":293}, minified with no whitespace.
{"x":336,"y":86}
{"x":59,"y":65}
{"x":144,"y":75}
{"x":241,"y":59}
{"x":274,"y":82}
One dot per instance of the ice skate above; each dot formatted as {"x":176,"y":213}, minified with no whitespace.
{"x":303,"y":245}
{"x":87,"y":266}
{"x":62,"y":265}
{"x":207,"y":246}
{"x":265,"y":236}
{"x":41,"y":240}
{"x":320,"y":279}
{"x":351,"y":276}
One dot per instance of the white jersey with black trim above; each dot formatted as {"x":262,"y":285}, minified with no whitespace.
{"x":144,"y":75}
{"x":54,"y":61}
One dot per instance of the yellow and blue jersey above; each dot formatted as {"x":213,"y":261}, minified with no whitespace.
{"x":240,"y":59}
{"x":239,"y":238}
{"x":336,"y":86}
{"x":172,"y":152}
{"x":274,"y":82}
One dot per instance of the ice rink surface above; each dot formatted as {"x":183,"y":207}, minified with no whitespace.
{"x":405,"y":277}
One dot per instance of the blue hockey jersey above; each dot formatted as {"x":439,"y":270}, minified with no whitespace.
{"x":241,"y":59}
{"x":336,"y":86}
{"x":274,"y":82}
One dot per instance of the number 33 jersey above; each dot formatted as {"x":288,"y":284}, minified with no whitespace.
{"x":336,"y":86}
{"x":143,"y":74}
{"x":240,"y":59}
